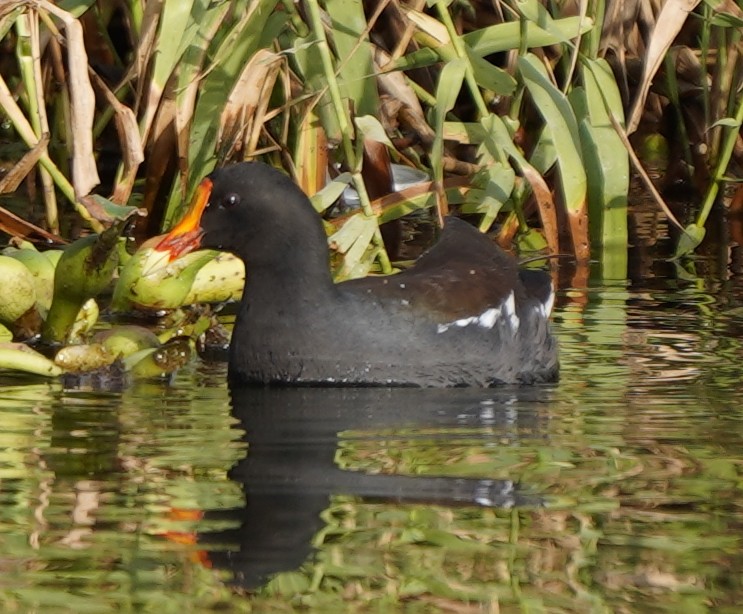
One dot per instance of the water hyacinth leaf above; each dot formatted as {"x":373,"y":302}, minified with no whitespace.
{"x":124,"y":340}
{"x":221,"y":279}
{"x":20,"y":357}
{"x":19,"y":290}
{"x":161,"y":361}
{"x":84,"y":270}
{"x":147,"y":280}
{"x":560,"y":121}
{"x":104,"y":210}
{"x":42,"y":271}
{"x":83,"y":358}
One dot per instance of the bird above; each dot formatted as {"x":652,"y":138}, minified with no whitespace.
{"x":464,"y":314}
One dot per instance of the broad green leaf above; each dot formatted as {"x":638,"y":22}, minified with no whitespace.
{"x":544,"y":155}
{"x":560,"y":121}
{"x":607,"y":164}
{"x":489,"y":76}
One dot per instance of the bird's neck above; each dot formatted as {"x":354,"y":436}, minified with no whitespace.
{"x":296,"y":267}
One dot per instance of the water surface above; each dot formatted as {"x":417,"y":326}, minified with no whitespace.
{"x":616,"y":490}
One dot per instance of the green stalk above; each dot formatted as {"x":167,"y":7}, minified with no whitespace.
{"x":731,"y":134}
{"x":345,"y":125}
{"x":27,"y":53}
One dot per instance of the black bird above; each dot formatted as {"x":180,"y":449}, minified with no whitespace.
{"x":463,"y":315}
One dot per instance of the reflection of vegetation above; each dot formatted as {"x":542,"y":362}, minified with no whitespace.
{"x":101,"y":497}
{"x":638,"y":458}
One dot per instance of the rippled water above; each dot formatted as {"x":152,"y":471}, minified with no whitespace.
{"x":617,"y":490}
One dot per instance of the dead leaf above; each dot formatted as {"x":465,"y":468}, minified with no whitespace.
{"x":672,"y":17}
{"x":242,"y":117}
{"x":131,"y":143}
{"x":12,"y":179}
{"x":15,"y":226}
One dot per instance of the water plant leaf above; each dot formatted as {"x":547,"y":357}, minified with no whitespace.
{"x":15,"y":226}
{"x":355,"y":67}
{"x":725,"y":13}
{"x":235,"y":47}
{"x":353,"y":240}
{"x":332,"y":191}
{"x":447,"y":90}
{"x":503,"y":37}
{"x":560,"y":121}
{"x":728,"y":122}
{"x":20,"y":357}
{"x":691,"y":238}
{"x":489,"y":76}
{"x":496,"y":181}
{"x":607,"y":164}
{"x":84,"y":270}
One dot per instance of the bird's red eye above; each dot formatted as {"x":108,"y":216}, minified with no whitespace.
{"x":230,"y":200}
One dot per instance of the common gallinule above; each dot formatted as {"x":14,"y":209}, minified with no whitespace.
{"x":463,"y":315}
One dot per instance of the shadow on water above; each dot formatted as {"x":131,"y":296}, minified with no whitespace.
{"x":291,"y":471}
